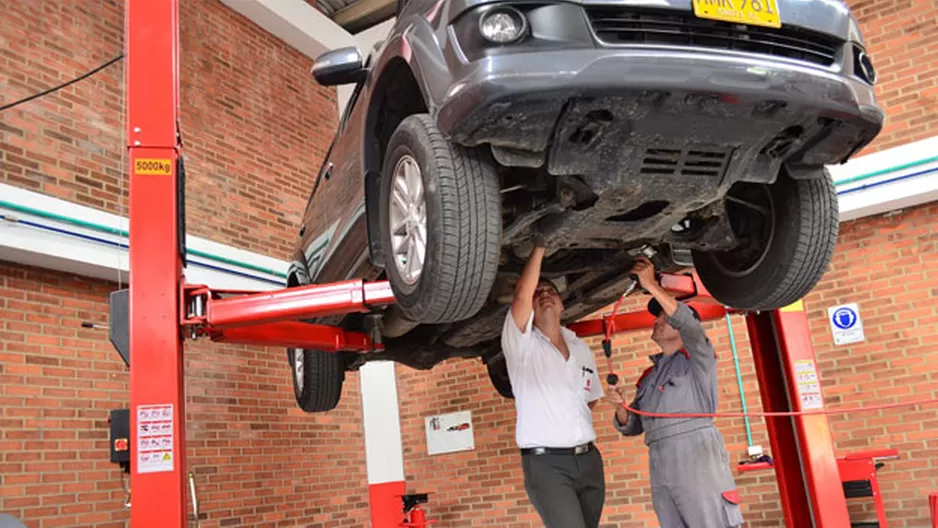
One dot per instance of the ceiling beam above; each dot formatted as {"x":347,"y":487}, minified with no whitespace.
{"x":362,"y":14}
{"x":295,"y":22}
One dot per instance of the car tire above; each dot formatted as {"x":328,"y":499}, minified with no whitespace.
{"x":454,"y":196}
{"x":767,"y":276}
{"x":498,"y":375}
{"x":317,"y":378}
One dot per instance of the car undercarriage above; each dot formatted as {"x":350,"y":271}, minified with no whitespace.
{"x":596,"y":132}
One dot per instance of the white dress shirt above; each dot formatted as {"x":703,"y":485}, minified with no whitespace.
{"x":551,"y":394}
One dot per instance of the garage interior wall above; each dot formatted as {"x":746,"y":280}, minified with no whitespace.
{"x":255,"y":129}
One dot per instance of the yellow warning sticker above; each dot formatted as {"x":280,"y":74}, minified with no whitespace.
{"x":160,"y":167}
{"x":797,"y":306}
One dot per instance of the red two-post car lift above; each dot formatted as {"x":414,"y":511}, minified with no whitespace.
{"x":164,"y":310}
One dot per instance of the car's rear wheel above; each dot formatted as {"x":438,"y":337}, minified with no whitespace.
{"x":317,"y":378}
{"x":440,"y":223}
{"x":498,"y":375}
{"x":787,"y":232}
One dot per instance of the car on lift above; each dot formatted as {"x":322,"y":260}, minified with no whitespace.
{"x":699,"y":128}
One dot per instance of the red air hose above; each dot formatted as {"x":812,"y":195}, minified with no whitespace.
{"x":613,"y":378}
{"x":844,"y":410}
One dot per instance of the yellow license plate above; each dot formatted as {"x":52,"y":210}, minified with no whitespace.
{"x":753,"y":12}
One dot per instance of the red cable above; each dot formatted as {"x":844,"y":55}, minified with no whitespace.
{"x":610,"y":328}
{"x":783,"y":413}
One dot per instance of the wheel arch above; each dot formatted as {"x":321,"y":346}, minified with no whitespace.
{"x":398,"y":92}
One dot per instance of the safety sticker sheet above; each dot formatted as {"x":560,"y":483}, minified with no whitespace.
{"x":155,"y":438}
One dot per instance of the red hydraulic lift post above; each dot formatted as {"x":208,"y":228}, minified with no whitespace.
{"x":805,"y":462}
{"x":157,"y":401}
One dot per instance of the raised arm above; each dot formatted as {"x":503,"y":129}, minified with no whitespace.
{"x":679,"y":316}
{"x":523,"y":303}
{"x":645,"y":271}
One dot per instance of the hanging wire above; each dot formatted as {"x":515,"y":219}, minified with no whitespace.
{"x":120,"y":171}
{"x":63,"y":85}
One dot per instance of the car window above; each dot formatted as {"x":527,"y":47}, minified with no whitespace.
{"x":326,"y":163}
{"x":343,"y":120}
{"x":349,"y":106}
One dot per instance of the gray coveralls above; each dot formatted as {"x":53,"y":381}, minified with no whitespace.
{"x":691,"y":483}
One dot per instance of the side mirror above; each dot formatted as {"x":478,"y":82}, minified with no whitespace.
{"x":337,"y":67}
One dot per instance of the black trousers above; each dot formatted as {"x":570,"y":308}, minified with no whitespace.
{"x":568,"y":491}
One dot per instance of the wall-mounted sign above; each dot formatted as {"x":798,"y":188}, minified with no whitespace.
{"x":449,"y":433}
{"x":846,"y":325}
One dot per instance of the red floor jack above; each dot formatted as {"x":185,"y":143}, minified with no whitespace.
{"x":414,"y":517}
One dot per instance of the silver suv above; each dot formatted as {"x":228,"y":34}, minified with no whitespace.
{"x":701,"y":129}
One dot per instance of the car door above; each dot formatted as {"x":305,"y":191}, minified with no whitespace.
{"x":334,"y":237}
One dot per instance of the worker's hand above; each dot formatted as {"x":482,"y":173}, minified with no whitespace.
{"x":617,"y":395}
{"x":645,"y":270}
{"x":540,"y":240}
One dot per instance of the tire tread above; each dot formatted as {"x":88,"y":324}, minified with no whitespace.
{"x":325,"y":375}
{"x":812,"y":218}
{"x":470,"y":226}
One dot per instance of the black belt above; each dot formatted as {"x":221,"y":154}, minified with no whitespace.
{"x":578,"y":450}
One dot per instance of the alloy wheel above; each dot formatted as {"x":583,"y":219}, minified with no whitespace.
{"x":408,"y":220}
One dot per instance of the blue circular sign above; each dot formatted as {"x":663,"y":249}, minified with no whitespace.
{"x":844,"y":318}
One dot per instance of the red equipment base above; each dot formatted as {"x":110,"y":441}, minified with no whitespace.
{"x":385,"y":501}
{"x":933,"y":506}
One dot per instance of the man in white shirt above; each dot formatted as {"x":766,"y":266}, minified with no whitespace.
{"x":555,"y":384}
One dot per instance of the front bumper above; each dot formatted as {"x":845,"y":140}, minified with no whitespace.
{"x":522,"y":97}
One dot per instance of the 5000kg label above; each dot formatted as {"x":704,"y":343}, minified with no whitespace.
{"x":163,"y":167}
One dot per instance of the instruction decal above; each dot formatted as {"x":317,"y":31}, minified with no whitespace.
{"x":155,"y":451}
{"x":846,"y":325}
{"x":159,"y":167}
{"x":809,"y":388}
{"x":449,"y":433}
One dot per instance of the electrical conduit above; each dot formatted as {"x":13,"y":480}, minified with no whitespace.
{"x":120,"y":232}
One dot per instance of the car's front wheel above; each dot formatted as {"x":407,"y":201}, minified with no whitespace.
{"x":787,"y":232}
{"x":440,"y":223}
{"x":317,"y":378}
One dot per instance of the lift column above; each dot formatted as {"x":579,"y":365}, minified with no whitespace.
{"x":805,"y":463}
{"x":157,"y":413}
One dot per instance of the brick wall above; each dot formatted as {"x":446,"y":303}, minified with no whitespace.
{"x":257,"y":458}
{"x":255,"y":127}
{"x":887,"y":264}
{"x":254,"y":123}
{"x":902,"y":40}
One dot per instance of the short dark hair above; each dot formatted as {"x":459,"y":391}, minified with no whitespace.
{"x":547,"y":280}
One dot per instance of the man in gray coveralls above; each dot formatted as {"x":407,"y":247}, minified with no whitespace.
{"x":691,"y":483}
